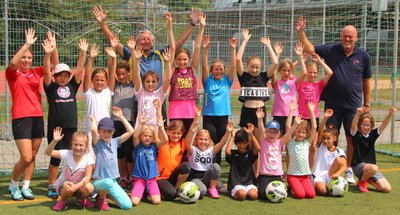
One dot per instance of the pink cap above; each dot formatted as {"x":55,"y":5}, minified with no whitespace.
{"x":61,"y":67}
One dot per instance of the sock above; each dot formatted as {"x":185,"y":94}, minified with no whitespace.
{"x":25,"y":184}
{"x":52,"y":185}
{"x":13,"y":184}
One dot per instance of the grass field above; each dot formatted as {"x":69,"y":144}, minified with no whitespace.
{"x":353,"y":202}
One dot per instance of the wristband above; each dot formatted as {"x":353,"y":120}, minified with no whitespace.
{"x":192,"y":24}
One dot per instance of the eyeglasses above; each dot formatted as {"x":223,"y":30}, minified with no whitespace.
{"x":366,"y":125}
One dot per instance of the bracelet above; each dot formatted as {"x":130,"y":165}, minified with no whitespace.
{"x":192,"y":24}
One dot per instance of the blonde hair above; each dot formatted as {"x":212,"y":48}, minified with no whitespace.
{"x":82,"y":135}
{"x":151,"y":128}
{"x":203,"y":132}
{"x":285,"y":62}
{"x":306,"y":126}
{"x":254,"y":57}
{"x":312,"y":64}
{"x":215,"y":61}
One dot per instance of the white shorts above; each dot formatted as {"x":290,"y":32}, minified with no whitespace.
{"x":320,"y":177}
{"x":242,"y":187}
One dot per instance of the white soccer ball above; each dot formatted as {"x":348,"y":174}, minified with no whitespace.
{"x":276,"y":191}
{"x":189,"y":192}
{"x":338,"y":187}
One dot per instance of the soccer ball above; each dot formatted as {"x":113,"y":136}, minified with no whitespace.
{"x":189,"y":192}
{"x":276,"y":191}
{"x":337,"y":187}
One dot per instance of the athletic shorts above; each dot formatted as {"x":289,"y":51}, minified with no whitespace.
{"x":28,"y":128}
{"x":139,"y":185}
{"x":246,"y":188}
{"x":248,"y":115}
{"x":320,"y":177}
{"x":359,"y":170}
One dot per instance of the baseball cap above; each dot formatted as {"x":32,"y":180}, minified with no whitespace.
{"x":61,"y":67}
{"x":273,"y":124}
{"x":106,"y":124}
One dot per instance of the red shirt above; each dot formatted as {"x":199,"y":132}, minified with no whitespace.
{"x":25,"y":92}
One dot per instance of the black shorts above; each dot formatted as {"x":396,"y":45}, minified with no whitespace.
{"x":248,"y":115}
{"x":125,"y":149}
{"x":28,"y":128}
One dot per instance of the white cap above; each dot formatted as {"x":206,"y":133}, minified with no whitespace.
{"x":61,"y":67}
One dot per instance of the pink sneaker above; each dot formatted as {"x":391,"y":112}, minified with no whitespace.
{"x":102,"y":204}
{"x":362,"y":186}
{"x":60,"y":205}
{"x":86,"y":203}
{"x":213,"y":193}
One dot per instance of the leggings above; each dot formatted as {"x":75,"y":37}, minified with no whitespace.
{"x":301,"y":186}
{"x":211,"y":174}
{"x":167,"y":186}
{"x":216,"y":125}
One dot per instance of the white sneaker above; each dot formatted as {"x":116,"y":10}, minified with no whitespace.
{"x":349,"y":176}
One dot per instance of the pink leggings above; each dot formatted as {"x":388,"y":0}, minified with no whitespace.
{"x":301,"y":186}
{"x":139,"y":185}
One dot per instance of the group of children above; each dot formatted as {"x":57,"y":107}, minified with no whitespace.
{"x":133,"y":147}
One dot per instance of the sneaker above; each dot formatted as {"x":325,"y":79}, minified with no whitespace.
{"x":60,"y":205}
{"x":221,"y":187}
{"x":86,"y":203}
{"x":213,"y":193}
{"x":349,"y":176}
{"x":102,"y":204}
{"x":93,"y":195}
{"x":52,"y":192}
{"x":123,"y":183}
{"x":362,"y":186}
{"x":16,"y":194}
{"x":27,"y":194}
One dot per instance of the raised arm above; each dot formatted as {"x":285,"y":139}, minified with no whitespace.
{"x":367,"y":94}
{"x":311,"y":107}
{"x":228,"y":148}
{"x":232,"y":62}
{"x":168,"y":58}
{"x":160,"y":123}
{"x":170,"y":34}
{"x":94,"y":51}
{"x":101,"y":20}
{"x":80,"y":67}
{"x":129,"y":129}
{"x":194,"y":19}
{"x":29,"y":41}
{"x":189,"y":135}
{"x":48,"y":49}
{"x":299,"y":52}
{"x":112,"y":67}
{"x":354,"y":123}
{"x":57,"y":136}
{"x":93,"y":130}
{"x":274,"y":60}
{"x":142,"y":120}
{"x":322,"y":126}
{"x":278,"y":49}
{"x":136,"y":54}
{"x":229,"y":128}
{"x":286,"y":138}
{"x":239,"y":57}
{"x":54,"y":55}
{"x":300,"y":27}
{"x":261,"y":133}
{"x":387,"y":119}
{"x":255,"y":144}
{"x":204,"y":59}
{"x":197,"y":44}
{"x":292,"y":107}
{"x":327,"y":69}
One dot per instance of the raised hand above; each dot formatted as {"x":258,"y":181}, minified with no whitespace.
{"x":57,"y":134}
{"x":194,"y":15}
{"x":250,"y":128}
{"x":168,"y":19}
{"x":94,"y":51}
{"x":92,"y":118}
{"x":278,"y":48}
{"x":52,"y":38}
{"x":199,"y":111}
{"x":311,"y":106}
{"x":301,"y":24}
{"x":30,"y":36}
{"x":328,"y":113}
{"x":392,"y":110}
{"x":299,"y":49}
{"x":265,"y":41}
{"x":131,"y":42}
{"x":83,"y":45}
{"x":110,"y":51}
{"x":298,"y":119}
{"x":195,"y":126}
{"x":293,"y":105}
{"x":245,"y":34}
{"x":117,"y":111}
{"x":202,"y":19}
{"x":137,"y":53}
{"x":157,"y":103}
{"x":260,"y":113}
{"x":360,"y":110}
{"x":315,"y":57}
{"x":47,"y":47}
{"x":99,"y":14}
{"x":114,"y":41}
{"x":167,"y":55}
{"x":206,"y":41}
{"x":143,"y":118}
{"x":233,"y":42}
{"x":230,"y":126}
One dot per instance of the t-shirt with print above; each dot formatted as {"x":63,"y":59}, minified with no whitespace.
{"x":271,"y":158}
{"x":298,"y":158}
{"x":241,"y":168}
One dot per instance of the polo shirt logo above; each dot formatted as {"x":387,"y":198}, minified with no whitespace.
{"x":356,"y":62}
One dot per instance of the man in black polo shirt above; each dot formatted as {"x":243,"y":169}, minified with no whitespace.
{"x":350,"y":81}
